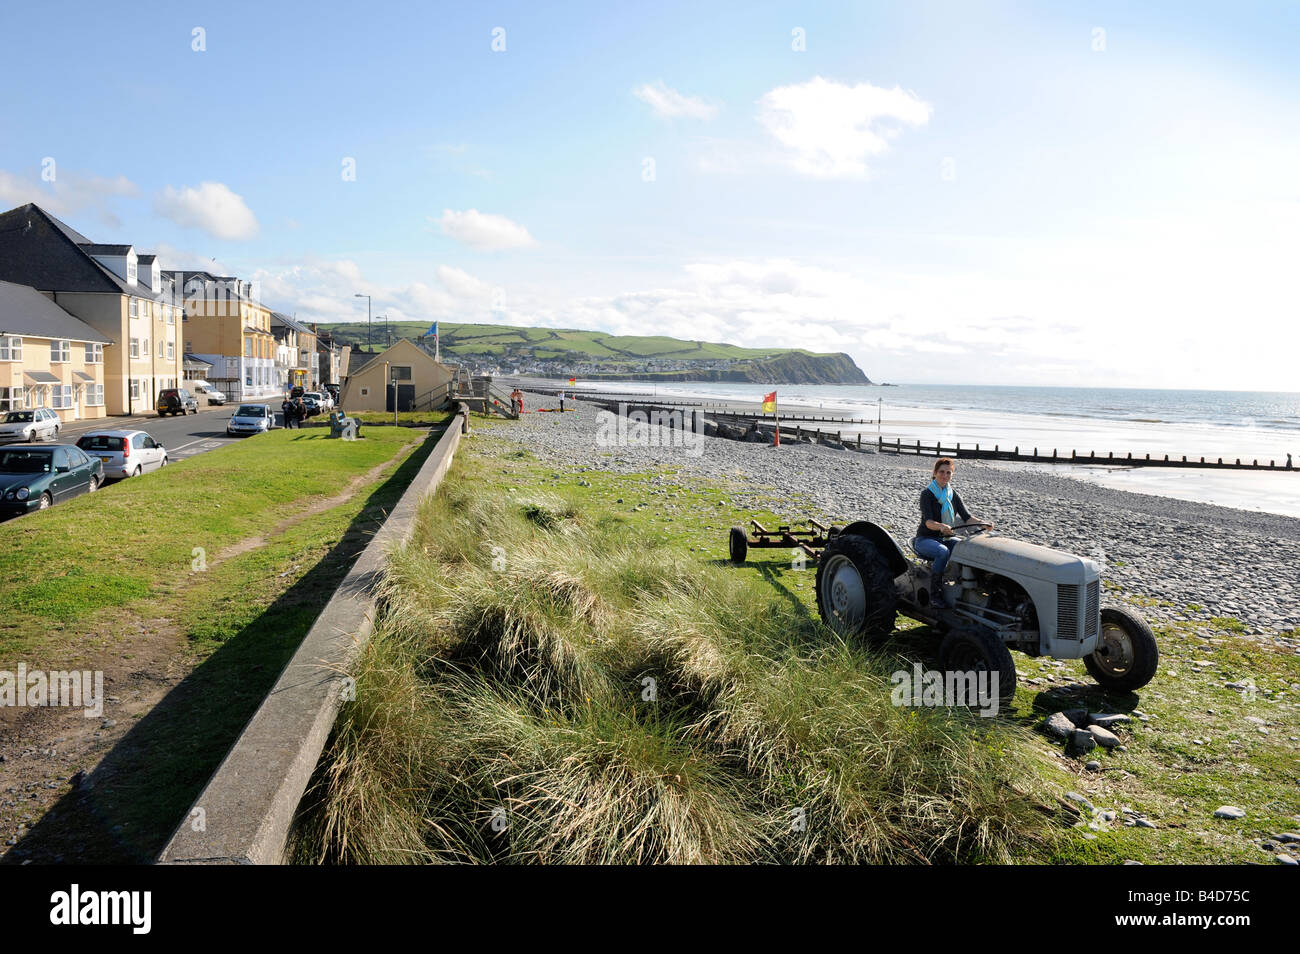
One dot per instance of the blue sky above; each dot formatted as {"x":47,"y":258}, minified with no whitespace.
{"x":992,"y":193}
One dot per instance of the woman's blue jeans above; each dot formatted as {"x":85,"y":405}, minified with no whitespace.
{"x":937,"y":550}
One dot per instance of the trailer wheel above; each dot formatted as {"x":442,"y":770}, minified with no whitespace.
{"x":974,"y":650}
{"x":855,"y":590}
{"x":1126,"y":656}
{"x":738,"y":545}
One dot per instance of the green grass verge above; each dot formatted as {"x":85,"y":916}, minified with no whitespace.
{"x":238,"y":622}
{"x":63,"y":568}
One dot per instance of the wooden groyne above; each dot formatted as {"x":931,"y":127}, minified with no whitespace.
{"x":792,"y":428}
{"x":1092,"y":457}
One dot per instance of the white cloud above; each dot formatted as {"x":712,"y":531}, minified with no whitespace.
{"x":832,"y":129}
{"x":667,"y":103}
{"x":211,"y":207}
{"x":462,"y":284}
{"x":484,"y":232}
{"x":70,"y":194}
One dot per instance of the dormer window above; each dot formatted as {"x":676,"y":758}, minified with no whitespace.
{"x":131,"y":272}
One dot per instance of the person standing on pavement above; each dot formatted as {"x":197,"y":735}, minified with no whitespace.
{"x":286,"y":412}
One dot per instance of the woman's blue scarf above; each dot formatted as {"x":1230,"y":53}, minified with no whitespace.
{"x":949,"y":516}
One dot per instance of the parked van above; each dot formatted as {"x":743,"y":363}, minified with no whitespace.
{"x":202,"y":389}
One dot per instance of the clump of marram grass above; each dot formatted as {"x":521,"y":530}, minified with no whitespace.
{"x":582,"y":693}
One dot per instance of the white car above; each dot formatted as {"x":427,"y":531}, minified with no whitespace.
{"x":124,"y":453}
{"x":202,"y":389}
{"x":323,"y":400}
{"x":251,"y":419}
{"x":27,"y":426}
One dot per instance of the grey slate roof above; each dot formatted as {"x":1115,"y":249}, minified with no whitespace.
{"x":38,"y":250}
{"x":25,"y":311}
{"x":290,"y":322}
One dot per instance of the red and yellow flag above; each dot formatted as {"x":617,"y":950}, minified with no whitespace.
{"x":769,"y":403}
{"x":572,"y":381}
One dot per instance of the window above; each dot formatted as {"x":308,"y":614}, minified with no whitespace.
{"x":133,"y":308}
{"x":144,"y":347}
{"x":94,"y":395}
{"x":135,"y":347}
{"x":135,"y":389}
{"x":171,"y":314}
{"x":248,"y":347}
{"x":60,"y":351}
{"x":171,"y":351}
{"x":365,"y":392}
{"x":61,"y":395}
{"x":11,"y":399}
{"x":401,"y":373}
{"x":11,"y":349}
{"x":131,"y":271}
{"x":160,"y":349}
{"x":36,"y":396}
{"x":94,"y":353}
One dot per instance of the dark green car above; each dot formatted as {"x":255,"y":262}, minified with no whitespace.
{"x":37,"y":476}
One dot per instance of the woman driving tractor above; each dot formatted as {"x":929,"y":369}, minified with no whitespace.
{"x":940,"y":507}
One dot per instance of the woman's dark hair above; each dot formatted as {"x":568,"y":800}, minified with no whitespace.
{"x":940,"y":462}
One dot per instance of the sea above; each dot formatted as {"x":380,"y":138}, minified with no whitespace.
{"x":1247,"y":425}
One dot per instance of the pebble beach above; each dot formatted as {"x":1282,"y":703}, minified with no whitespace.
{"x":1180,"y":561}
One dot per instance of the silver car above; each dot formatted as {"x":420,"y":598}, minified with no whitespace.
{"x":124,"y":453}
{"x":251,"y":419}
{"x":40,"y":424}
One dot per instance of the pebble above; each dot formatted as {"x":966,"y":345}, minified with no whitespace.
{"x":1104,"y":737}
{"x":1229,"y":811}
{"x":1284,"y":859}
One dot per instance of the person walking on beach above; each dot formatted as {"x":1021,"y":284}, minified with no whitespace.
{"x":940,"y":507}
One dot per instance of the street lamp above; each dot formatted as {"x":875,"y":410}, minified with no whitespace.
{"x":388,"y":339}
{"x":367,"y":298}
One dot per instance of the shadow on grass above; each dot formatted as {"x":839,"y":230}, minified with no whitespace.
{"x":125,"y":811}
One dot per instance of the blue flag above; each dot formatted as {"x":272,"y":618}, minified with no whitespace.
{"x":433,"y":330}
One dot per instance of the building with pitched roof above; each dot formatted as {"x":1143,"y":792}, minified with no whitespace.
{"x":48,"y":357}
{"x":227,"y":326}
{"x":113,"y":289}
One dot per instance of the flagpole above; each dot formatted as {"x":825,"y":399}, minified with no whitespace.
{"x":776,"y":413}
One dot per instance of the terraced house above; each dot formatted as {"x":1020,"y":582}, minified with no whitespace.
{"x":118,"y":292}
{"x":295,"y":359}
{"x":226,"y":326}
{"x":48,"y":357}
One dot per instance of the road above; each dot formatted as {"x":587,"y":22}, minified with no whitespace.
{"x":183,"y":436}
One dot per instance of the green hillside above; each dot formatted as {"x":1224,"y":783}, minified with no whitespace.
{"x":565,"y":350}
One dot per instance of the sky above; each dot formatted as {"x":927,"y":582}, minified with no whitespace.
{"x":1001,"y":193}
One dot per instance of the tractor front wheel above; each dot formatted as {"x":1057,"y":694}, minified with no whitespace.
{"x":855,"y":590}
{"x":976,"y":651}
{"x":1126,"y":656}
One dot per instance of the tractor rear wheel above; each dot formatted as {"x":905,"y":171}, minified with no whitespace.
{"x":975,"y":650}
{"x":1126,"y":656}
{"x":855,"y":590}
{"x":738,"y":544}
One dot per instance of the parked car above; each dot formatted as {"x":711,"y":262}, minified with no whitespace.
{"x":124,"y":453}
{"x":312,"y":405}
{"x":202,"y":389}
{"x":28,"y":426}
{"x":176,"y":401}
{"x":37,"y":476}
{"x":321,"y":398}
{"x":251,"y":419}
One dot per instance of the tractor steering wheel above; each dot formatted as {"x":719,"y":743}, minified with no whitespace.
{"x":969,"y":530}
